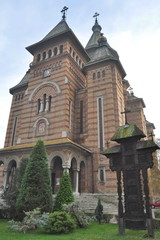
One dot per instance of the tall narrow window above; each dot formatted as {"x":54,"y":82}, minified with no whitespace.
{"x":50,"y":100}
{"x":55,"y":51}
{"x":61,"y":49}
{"x":44,"y":102}
{"x":81,"y":117}
{"x":70,"y":114}
{"x":100,"y":123}
{"x":14,"y":131}
{"x":38,"y":105}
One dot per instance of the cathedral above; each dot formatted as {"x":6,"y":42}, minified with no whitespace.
{"x":73,"y":98}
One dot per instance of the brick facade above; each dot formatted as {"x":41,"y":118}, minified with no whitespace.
{"x":71,"y":98}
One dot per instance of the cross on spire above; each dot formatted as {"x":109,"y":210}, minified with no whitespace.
{"x":125,"y":114}
{"x":64,"y":10}
{"x":95,"y":16}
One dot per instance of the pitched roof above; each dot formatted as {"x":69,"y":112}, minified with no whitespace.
{"x":93,"y":41}
{"x":127,"y":131}
{"x":22,"y":83}
{"x":58,"y":31}
{"x":60,"y":28}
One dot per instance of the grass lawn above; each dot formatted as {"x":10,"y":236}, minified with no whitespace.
{"x":93,"y":232}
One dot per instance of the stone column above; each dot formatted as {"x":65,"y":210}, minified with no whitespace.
{"x":47,"y":105}
{"x":76,"y":180}
{"x":5,"y":177}
{"x":41,"y":106}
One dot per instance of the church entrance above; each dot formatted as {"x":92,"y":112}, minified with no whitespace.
{"x":11,"y":170}
{"x":56,"y":173}
{"x":1,"y":175}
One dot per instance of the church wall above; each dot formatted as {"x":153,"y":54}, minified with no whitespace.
{"x":110,"y":89}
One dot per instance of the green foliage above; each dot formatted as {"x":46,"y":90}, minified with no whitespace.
{"x":81,"y":219}
{"x":60,"y":222}
{"x":33,"y":220}
{"x":99,"y":211}
{"x":11,"y":193}
{"x":65,"y":194}
{"x":156,"y":223}
{"x":36,"y":185}
{"x":93,"y":232}
{"x":157,"y":213}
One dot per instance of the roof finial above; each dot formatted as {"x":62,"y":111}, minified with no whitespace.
{"x":130,"y":90}
{"x":95,"y":16}
{"x":64,"y":10}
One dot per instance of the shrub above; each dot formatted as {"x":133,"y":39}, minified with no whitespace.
{"x":81,"y":219}
{"x":36,"y":185}
{"x":99,"y":211}
{"x":65,"y":193}
{"x":157,"y":213}
{"x":156,"y":223}
{"x":60,"y":222}
{"x":33,"y":220}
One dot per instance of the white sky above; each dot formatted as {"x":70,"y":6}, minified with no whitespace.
{"x":132,"y":28}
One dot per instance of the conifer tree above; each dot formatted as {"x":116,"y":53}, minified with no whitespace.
{"x":99,"y":211}
{"x":65,"y":193}
{"x":36,"y":190}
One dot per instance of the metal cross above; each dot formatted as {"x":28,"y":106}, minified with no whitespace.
{"x":64,"y":10}
{"x":125,"y":113}
{"x":95,"y":16}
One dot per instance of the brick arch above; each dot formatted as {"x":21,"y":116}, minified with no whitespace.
{"x":51,"y":88}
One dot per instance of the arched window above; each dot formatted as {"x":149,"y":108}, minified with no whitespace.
{"x":49,"y":53}
{"x":94,"y":76}
{"x":103,"y":73}
{"x":38,"y":105}
{"x":49,"y":104}
{"x":77,"y":59}
{"x":101,"y":175}
{"x":70,"y":51}
{"x":73,"y":54}
{"x":61,"y":49}
{"x":44,"y":55}
{"x":38,"y":57}
{"x":98,"y":75}
{"x":55,"y":51}
{"x":80,"y":63}
{"x":44,"y":102}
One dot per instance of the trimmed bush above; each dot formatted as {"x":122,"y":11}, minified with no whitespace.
{"x":99,"y":211}
{"x":60,"y":222}
{"x":36,"y":184}
{"x":156,"y":223}
{"x":33,"y":220}
{"x":65,"y":193}
{"x":81,"y":219}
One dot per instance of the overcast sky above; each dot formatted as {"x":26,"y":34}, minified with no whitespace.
{"x":132,"y":28}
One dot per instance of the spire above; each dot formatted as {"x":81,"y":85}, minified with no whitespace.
{"x":64,"y":10}
{"x":93,"y":41}
{"x":96,"y":27}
